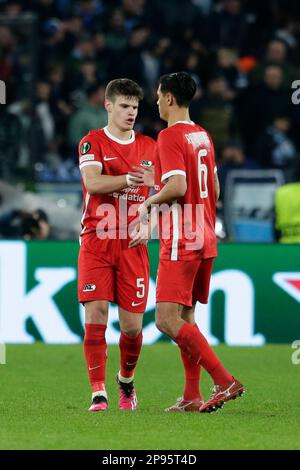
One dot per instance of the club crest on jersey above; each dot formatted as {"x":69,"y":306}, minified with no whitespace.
{"x":89,"y":288}
{"x":85,"y":147}
{"x":146,"y":163}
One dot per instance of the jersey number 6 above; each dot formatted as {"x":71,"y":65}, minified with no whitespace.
{"x":202,"y":174}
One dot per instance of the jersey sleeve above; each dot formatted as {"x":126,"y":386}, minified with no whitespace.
{"x":171,"y":156}
{"x":157,"y":173}
{"x":89,"y":152}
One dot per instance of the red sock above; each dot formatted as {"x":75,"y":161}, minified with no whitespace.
{"x":194,"y":344}
{"x":192,"y":377}
{"x":130,"y":349}
{"x":95,"y":351}
{"x":221,"y":376}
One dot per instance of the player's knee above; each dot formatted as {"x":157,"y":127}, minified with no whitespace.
{"x":164,"y":319}
{"x":96,"y":314}
{"x":161,"y":323}
{"x":131,"y":330}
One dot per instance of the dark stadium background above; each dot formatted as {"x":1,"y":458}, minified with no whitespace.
{"x":56,"y":56}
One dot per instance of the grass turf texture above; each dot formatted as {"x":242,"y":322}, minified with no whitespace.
{"x":45,"y":395}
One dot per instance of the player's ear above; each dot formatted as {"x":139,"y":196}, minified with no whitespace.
{"x":170,"y":99}
{"x":108,"y":106}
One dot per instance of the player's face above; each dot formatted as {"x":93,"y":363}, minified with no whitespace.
{"x":162,"y":104}
{"x":122,"y":112}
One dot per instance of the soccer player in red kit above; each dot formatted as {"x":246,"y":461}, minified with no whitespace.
{"x":188,"y":177}
{"x":108,"y":270}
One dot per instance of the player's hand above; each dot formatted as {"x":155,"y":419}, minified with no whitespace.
{"x":135,"y":178}
{"x":143,"y":212}
{"x":140,"y":235}
{"x":146,"y":174}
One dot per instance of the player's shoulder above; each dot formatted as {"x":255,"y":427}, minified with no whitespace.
{"x":172,"y":134}
{"x":204,"y":131}
{"x":165,"y":133}
{"x":146,"y":139}
{"x":95,"y":135}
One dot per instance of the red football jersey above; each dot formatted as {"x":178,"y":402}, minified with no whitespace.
{"x":111,"y":213}
{"x":186,"y":149}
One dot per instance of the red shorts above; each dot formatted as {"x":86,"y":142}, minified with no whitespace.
{"x":184,"y":282}
{"x":109,"y":270}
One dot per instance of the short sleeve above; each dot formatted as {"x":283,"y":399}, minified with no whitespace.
{"x":171,"y":156}
{"x":89,"y":152}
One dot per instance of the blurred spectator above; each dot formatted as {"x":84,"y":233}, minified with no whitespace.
{"x":26,"y":225}
{"x":43,"y":111}
{"x":116,"y":38}
{"x":85,"y":77}
{"x":13,"y":8}
{"x":133,"y":66}
{"x":89,"y":10}
{"x":228,"y":27}
{"x":52,"y":46}
{"x":7,"y":45}
{"x":275,"y":149}
{"x":232,"y":157}
{"x":10,"y":132}
{"x":151,"y":64}
{"x":261,"y":104}
{"x":288,"y":32}
{"x":205,"y":6}
{"x":227,"y":68}
{"x":58,"y":99}
{"x":276,"y":54}
{"x":217,"y":114}
{"x":91,"y":115}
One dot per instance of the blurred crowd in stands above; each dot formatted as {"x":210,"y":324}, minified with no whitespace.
{"x":243,"y":54}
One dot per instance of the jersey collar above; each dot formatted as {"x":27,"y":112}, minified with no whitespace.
{"x":119,"y":141}
{"x":184,"y":122}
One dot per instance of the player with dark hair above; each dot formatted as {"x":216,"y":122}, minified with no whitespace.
{"x":188,"y":175}
{"x":108,"y":270}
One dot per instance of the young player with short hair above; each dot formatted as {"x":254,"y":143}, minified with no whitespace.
{"x":110,"y":271}
{"x":187,"y":172}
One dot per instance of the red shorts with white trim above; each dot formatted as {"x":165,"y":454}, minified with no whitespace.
{"x":184,"y":282}
{"x":109,"y":270}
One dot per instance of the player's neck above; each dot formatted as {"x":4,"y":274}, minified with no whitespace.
{"x":118,"y":133}
{"x":181,"y":115}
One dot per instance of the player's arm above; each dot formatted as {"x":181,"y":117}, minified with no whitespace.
{"x":147,"y":174}
{"x":174,"y":188}
{"x":96,"y":183}
{"x":217,"y":186}
{"x":143,"y":231}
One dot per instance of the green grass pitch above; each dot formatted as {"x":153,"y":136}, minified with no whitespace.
{"x":45,"y":395}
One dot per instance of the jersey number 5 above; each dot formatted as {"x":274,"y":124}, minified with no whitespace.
{"x":140,"y":284}
{"x":202,"y":174}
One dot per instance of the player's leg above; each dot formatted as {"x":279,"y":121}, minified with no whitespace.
{"x":192,"y":370}
{"x":130,"y":345}
{"x":226,"y":387}
{"x":132,"y":281}
{"x":131,"y":339}
{"x":95,"y":289}
{"x":95,"y":351}
{"x":174,"y":281}
{"x":192,"y":397}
